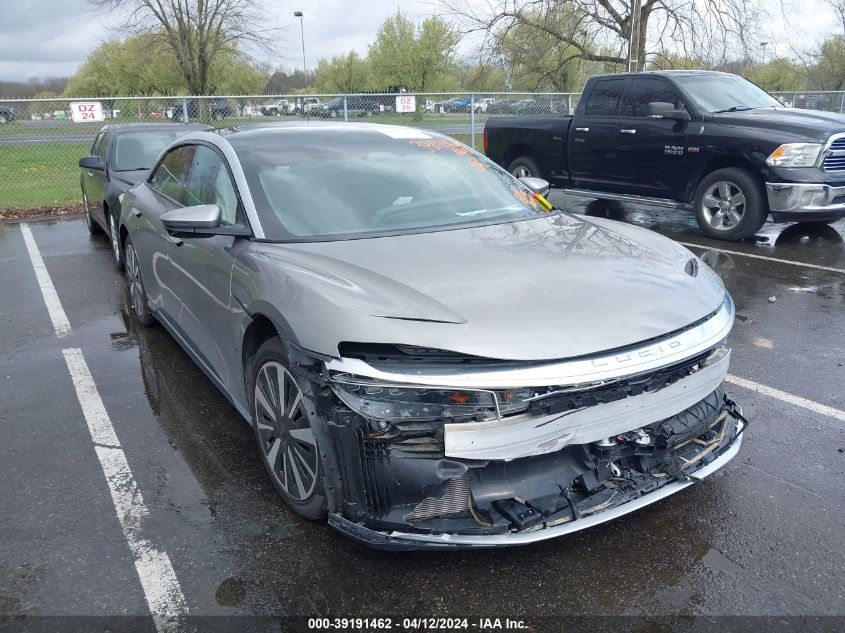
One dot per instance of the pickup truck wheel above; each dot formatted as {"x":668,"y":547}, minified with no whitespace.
{"x":524,"y":168}
{"x":730,"y":204}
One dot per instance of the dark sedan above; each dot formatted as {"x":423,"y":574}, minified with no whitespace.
{"x":120,"y":157}
{"x":429,"y":353}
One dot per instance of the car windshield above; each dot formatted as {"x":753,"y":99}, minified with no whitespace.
{"x":340,"y":183}
{"x":725,"y":93}
{"x":138,"y":150}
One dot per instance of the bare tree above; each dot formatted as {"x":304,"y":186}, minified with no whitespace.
{"x":616,"y":31}
{"x":196,"y":30}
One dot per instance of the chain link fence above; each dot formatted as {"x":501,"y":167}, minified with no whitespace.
{"x":40,"y":145}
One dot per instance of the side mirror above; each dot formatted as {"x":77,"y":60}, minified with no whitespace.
{"x":188,"y":219}
{"x":665,"y":110}
{"x":91,"y":162}
{"x":200,"y":219}
{"x":537,"y":185}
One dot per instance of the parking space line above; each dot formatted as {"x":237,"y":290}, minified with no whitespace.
{"x":158,"y":578}
{"x":57,"y":314}
{"x":155,"y":571}
{"x":786,"y":397}
{"x":766,"y":257}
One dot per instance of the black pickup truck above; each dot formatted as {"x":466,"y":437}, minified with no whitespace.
{"x":707,"y":141}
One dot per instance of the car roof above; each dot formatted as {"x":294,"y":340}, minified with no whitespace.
{"x":117,"y":128}
{"x":319,"y":131}
{"x":674,"y":73}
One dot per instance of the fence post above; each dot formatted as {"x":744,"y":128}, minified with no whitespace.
{"x":184,"y":110}
{"x":569,"y":104}
{"x":472,"y":118}
{"x":345,"y":111}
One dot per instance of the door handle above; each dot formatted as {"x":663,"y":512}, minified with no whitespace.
{"x":628,"y":131}
{"x":582,"y":129}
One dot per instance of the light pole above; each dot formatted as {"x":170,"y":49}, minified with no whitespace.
{"x":298,"y":14}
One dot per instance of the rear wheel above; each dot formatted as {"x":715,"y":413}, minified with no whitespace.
{"x":93,"y":227}
{"x":137,"y":292}
{"x":730,"y":204}
{"x":283,"y":431}
{"x":524,"y":167}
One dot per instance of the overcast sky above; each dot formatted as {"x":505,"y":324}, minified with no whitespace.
{"x":51,"y":38}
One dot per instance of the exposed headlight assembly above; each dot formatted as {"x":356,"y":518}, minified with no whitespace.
{"x":795,"y":155}
{"x":395,"y":402}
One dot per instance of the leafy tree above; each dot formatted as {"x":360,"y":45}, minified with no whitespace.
{"x":482,"y":78}
{"x":779,"y":75}
{"x":138,"y":66}
{"x":417,"y":57}
{"x":197,"y":32}
{"x":343,"y":74}
{"x":283,"y":83}
{"x":828,"y":73}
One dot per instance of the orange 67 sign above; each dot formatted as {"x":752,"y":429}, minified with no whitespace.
{"x":86,"y":111}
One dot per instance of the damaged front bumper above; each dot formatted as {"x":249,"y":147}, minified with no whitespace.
{"x":490,"y":461}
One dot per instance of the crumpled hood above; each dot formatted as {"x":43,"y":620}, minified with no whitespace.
{"x":554,"y":287}
{"x":815,"y":124}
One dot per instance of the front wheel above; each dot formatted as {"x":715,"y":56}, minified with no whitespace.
{"x":285,"y":439}
{"x":137,"y":292}
{"x":524,"y":167}
{"x":730,"y":204}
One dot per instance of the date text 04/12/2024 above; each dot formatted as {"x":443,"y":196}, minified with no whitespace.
{"x":416,"y":624}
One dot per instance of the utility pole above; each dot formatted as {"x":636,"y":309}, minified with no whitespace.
{"x":298,"y":14}
{"x":634,"y":38}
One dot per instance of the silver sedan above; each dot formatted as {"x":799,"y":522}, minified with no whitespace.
{"x":429,"y":353}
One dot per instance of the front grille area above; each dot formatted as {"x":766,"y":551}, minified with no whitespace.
{"x":455,"y":500}
{"x":835,"y":160}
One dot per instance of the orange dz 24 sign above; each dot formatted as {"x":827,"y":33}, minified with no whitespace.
{"x":86,"y":111}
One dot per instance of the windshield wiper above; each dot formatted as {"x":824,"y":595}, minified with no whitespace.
{"x":737,"y":108}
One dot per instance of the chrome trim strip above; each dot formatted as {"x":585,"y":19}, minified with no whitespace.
{"x":525,"y":436}
{"x":523,"y":538}
{"x":620,"y":197}
{"x":240,"y":178}
{"x":554,"y":373}
{"x":824,"y":153}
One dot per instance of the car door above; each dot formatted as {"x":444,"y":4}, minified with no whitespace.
{"x":164,"y":191}
{"x":202,"y":264}
{"x":591,"y":144}
{"x":653,"y":156}
{"x":95,"y":181}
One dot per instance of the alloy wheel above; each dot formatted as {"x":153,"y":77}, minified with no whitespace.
{"x":89,"y":221}
{"x":286,"y":438}
{"x":133,"y":274}
{"x":723,"y":205}
{"x":521,"y":172}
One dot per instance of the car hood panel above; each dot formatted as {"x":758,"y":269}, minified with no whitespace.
{"x":816,"y":124}
{"x":549,"y":288}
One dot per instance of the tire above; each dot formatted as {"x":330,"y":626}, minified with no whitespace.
{"x":137,"y":291}
{"x":3,"y":119}
{"x":285,"y":441}
{"x":90,"y":222}
{"x":524,"y":167}
{"x":218,"y":116}
{"x":730,"y":204}
{"x":114,"y":236}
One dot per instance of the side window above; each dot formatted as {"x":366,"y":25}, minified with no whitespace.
{"x":209,"y":183}
{"x":97,"y":147}
{"x":171,"y":176}
{"x":647,"y":90}
{"x":605,"y":97}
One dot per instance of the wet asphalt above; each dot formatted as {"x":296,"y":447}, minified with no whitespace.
{"x":763,"y":536}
